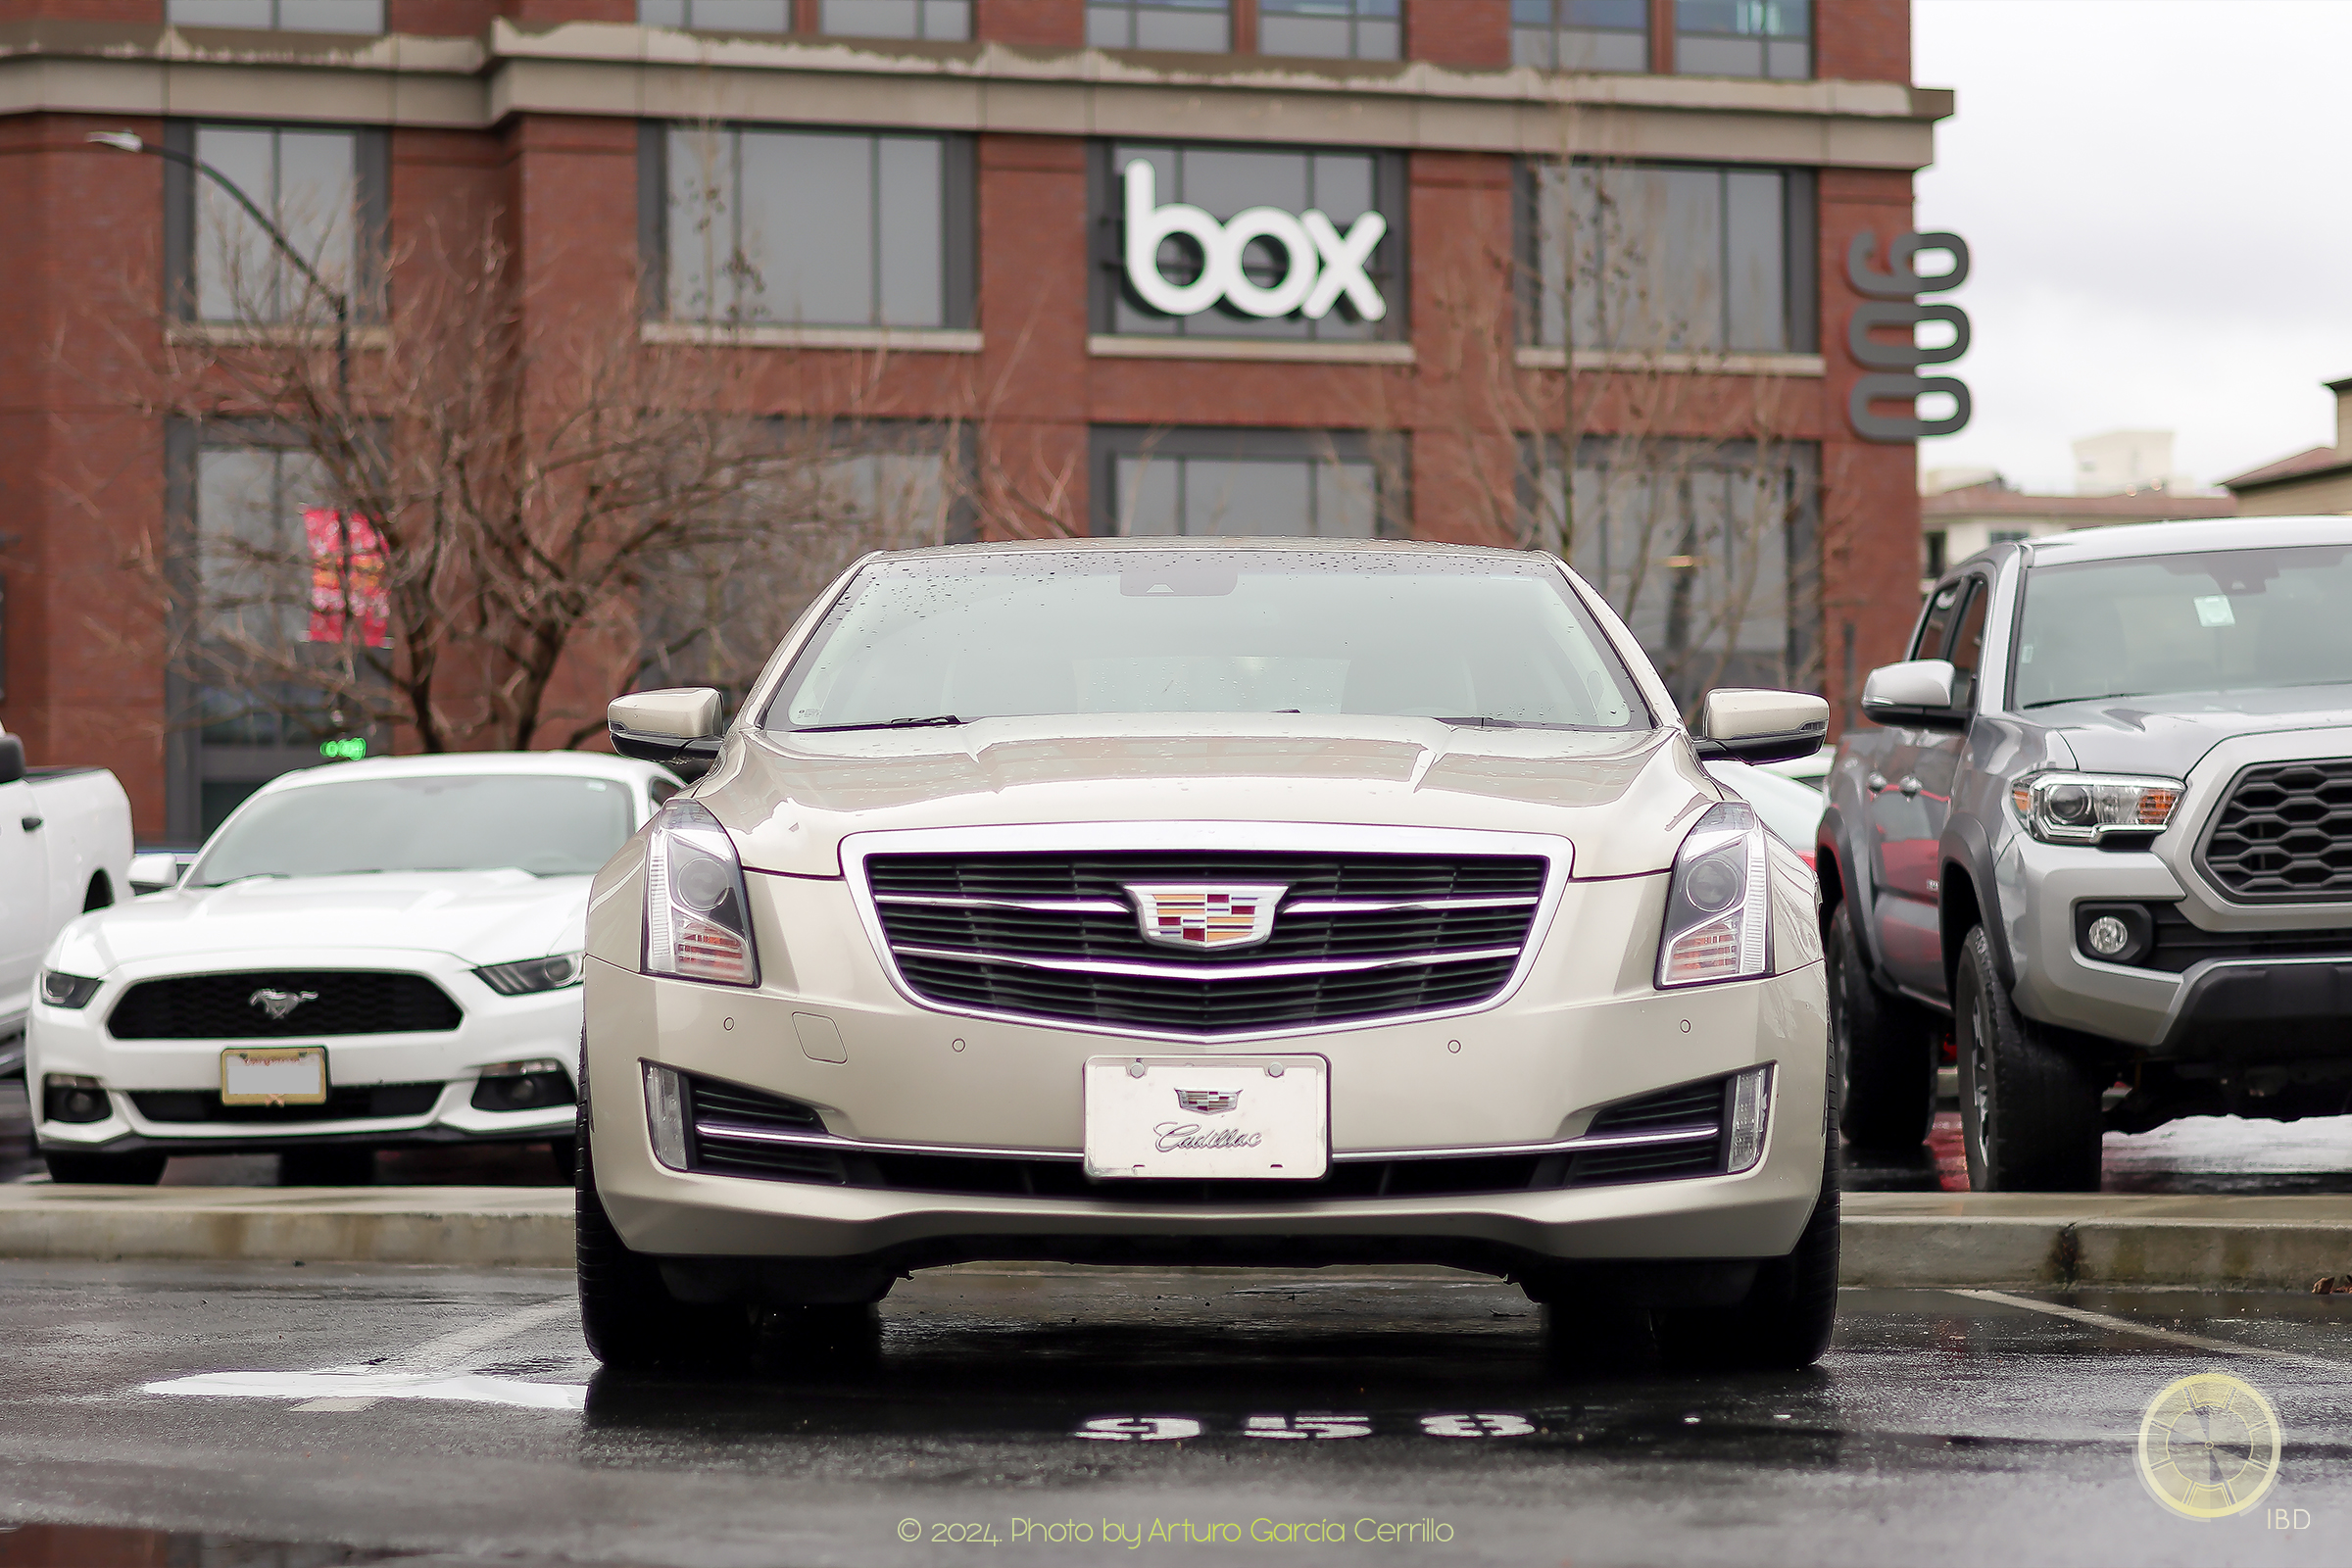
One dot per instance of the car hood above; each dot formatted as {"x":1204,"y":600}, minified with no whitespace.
{"x":2169,"y":734}
{"x":477,"y":917}
{"x":791,"y":798}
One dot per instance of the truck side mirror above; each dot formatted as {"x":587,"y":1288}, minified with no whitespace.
{"x":1761,"y":726}
{"x":12,"y":758}
{"x":1919,"y":692}
{"x":677,"y":727}
{"x":155,"y":871}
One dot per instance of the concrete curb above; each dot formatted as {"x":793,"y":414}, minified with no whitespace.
{"x":1891,"y":1238}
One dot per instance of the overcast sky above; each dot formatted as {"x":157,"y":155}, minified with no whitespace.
{"x":2156,"y":200}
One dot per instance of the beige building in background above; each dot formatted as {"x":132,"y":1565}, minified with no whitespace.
{"x":2316,"y":480}
{"x":1966,"y":509}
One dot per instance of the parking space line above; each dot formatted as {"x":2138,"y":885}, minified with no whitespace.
{"x":2150,"y":1331}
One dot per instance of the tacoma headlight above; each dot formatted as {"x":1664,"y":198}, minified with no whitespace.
{"x":2086,"y":807}
{"x":697,"y":921}
{"x":532,"y":974}
{"x":1718,"y":902}
{"x":67,"y":990}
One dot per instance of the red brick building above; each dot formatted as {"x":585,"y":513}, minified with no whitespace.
{"x":1200,"y":265}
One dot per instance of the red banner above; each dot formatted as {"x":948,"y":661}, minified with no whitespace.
{"x":346,"y":576}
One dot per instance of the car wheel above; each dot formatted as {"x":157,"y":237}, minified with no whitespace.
{"x":1786,"y":1321}
{"x":628,"y":1316}
{"x":141,"y":1169}
{"x":1884,"y":1050}
{"x":2029,"y":1112}
{"x":330,"y":1165}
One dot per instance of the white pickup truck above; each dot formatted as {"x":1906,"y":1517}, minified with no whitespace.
{"x":65,"y":847}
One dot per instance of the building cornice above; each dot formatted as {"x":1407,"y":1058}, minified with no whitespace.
{"x":625,"y":70}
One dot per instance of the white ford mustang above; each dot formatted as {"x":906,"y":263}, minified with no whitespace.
{"x":365,"y":956}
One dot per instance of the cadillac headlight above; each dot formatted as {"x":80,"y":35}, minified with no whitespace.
{"x":1718,"y":910}
{"x":698,"y":919}
{"x":2086,"y":807}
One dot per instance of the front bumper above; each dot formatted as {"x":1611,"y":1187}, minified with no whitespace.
{"x":493,"y":1029}
{"x":1584,"y":1031}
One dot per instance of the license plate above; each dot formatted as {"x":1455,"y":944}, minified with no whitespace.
{"x":1254,"y":1118}
{"x":282,"y":1075}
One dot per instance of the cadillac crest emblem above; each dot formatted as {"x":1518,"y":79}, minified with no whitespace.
{"x":1205,"y":915}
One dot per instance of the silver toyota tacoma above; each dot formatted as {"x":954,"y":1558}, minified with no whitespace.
{"x":2105,"y":829}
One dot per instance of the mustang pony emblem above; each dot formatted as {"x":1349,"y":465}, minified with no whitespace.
{"x":1200,"y":914}
{"x":277,"y":1004}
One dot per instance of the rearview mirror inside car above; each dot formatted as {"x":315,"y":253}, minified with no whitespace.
{"x":678,"y":728}
{"x":1761,"y":726}
{"x":1919,"y":692}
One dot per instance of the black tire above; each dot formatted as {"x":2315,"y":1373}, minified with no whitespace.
{"x":630,"y":1318}
{"x":328,"y":1165}
{"x":1884,"y":1049}
{"x":1786,"y":1321}
{"x":142,"y":1168}
{"x":2029,"y":1112}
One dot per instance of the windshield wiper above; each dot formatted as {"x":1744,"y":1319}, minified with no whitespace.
{"x":935,"y":722}
{"x":1475,"y":721}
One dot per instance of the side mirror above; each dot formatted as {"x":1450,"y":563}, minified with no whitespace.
{"x":155,"y":871}
{"x":1759,"y":726}
{"x":1919,"y":692}
{"x":678,"y":728}
{"x":12,"y":758}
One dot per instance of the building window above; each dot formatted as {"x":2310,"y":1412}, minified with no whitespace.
{"x":1330,"y":29}
{"x":1201,"y":484}
{"x":1668,"y":259}
{"x":262,"y":676}
{"x":1707,"y":549}
{"x":1744,"y":39}
{"x":1580,"y":35}
{"x":324,"y":189}
{"x":1344,"y":187}
{"x":288,"y":16}
{"x":2008,"y":536}
{"x":816,"y":229}
{"x":1202,"y":26}
{"x":1936,"y":542}
{"x":941,"y":20}
{"x":718,"y":16}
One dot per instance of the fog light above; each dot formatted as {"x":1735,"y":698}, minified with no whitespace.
{"x":532,"y":1085}
{"x":73,"y":1097}
{"x":665,"y":1114}
{"x":1751,"y":1107}
{"x":2108,"y":936}
{"x":2115,"y":933}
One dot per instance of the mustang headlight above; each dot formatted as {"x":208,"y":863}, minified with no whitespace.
{"x":533,"y":974}
{"x":1718,"y":902}
{"x":2086,"y":807}
{"x":697,"y":921}
{"x":67,"y":990}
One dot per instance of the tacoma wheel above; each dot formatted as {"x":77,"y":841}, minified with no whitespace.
{"x":1785,"y":1324}
{"x":141,"y":1169}
{"x":2029,"y":1112}
{"x":627,"y":1314}
{"x":1884,"y":1049}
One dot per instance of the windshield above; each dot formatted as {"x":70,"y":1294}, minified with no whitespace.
{"x":947,"y":639}
{"x":2224,"y":620}
{"x":546,"y":825}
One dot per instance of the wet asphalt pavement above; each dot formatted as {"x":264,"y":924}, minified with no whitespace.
{"x":456,"y":1416}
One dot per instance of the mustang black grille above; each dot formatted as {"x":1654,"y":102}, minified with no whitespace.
{"x":221,"y":1007}
{"x":2285,"y":833}
{"x":715,"y":1107}
{"x":1047,"y":934}
{"x":344,"y":1102}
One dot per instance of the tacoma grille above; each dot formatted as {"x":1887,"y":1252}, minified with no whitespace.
{"x":221,"y":1007}
{"x":2285,"y":833}
{"x":726,"y":1122}
{"x":1056,"y":936}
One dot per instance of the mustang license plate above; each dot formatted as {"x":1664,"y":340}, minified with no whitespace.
{"x":1253,"y":1118}
{"x":273,"y":1075}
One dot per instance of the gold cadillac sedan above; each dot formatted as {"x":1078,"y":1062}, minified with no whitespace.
{"x":1241,"y":902}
